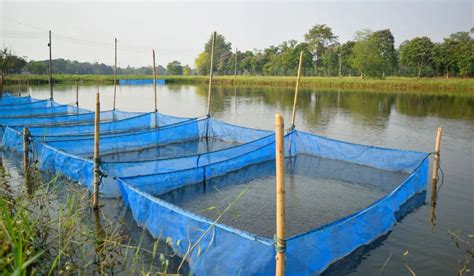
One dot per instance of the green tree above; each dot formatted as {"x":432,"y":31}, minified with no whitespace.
{"x":386,"y":48}
{"x":345,"y":52}
{"x":10,"y":63}
{"x":417,"y":53}
{"x":319,"y":38}
{"x":366,"y":55}
{"x":443,"y":58}
{"x":186,"y":70}
{"x":461,"y":47}
{"x":222,"y":56}
{"x":201,"y":63}
{"x":330,"y":60}
{"x":174,"y":68}
{"x":37,"y":67}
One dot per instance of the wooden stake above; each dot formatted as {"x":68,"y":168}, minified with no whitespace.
{"x":50,"y":78}
{"x":293,"y":117}
{"x":436,"y":155}
{"x":235,"y":66}
{"x":115,"y":73}
{"x":26,"y":141}
{"x":2,"y":79}
{"x":95,"y":196}
{"x":154,"y":81}
{"x":280,"y":196}
{"x":434,"y":179}
{"x":77,"y":93}
{"x":19,"y":86}
{"x":26,"y":158}
{"x":211,"y":73}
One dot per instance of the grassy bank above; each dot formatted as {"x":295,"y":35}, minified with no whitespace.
{"x":51,"y":229}
{"x":350,"y":83}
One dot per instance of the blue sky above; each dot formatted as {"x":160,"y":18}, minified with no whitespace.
{"x":85,"y":30}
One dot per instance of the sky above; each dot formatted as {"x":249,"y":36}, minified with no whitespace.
{"x":177,"y":30}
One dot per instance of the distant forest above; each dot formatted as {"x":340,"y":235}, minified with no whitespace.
{"x":12,"y":64}
{"x":371,"y":54}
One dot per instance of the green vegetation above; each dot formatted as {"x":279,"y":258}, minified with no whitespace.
{"x":371,"y":54}
{"x":53,"y":230}
{"x":175,"y":68}
{"x":345,"y":83}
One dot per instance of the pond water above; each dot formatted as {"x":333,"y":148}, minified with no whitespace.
{"x":318,"y":191}
{"x":396,"y":120}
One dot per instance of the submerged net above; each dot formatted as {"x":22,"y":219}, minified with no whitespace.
{"x":318,"y":191}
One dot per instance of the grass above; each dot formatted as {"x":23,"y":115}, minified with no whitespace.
{"x":51,"y":229}
{"x":346,"y":83}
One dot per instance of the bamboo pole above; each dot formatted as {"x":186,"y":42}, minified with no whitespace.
{"x":95,"y":196}
{"x":434,"y":179}
{"x":26,"y":158}
{"x":19,"y":86}
{"x":280,"y":196}
{"x":154,"y":81}
{"x":26,"y":141}
{"x":293,"y":117}
{"x":436,"y":158}
{"x":2,"y":79}
{"x":211,"y":73}
{"x":50,"y":78}
{"x":235,"y":65}
{"x":77,"y":93}
{"x":115,"y":73}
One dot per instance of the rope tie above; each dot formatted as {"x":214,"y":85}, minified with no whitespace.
{"x":97,"y":160}
{"x":280,"y":244}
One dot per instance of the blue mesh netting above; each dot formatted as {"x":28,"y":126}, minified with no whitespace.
{"x":72,"y":156}
{"x":186,"y":157}
{"x":31,"y":104}
{"x":83,"y":134}
{"x":24,"y":102}
{"x":7,"y":100}
{"x":307,"y":253}
{"x":52,"y":109}
{"x":140,"y":82}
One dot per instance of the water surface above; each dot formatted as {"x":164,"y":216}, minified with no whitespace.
{"x":318,"y":191}
{"x":397,"y":120}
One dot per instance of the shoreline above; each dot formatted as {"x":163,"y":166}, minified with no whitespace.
{"x":343,"y":83}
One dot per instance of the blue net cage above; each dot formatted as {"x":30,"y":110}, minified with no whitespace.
{"x":141,"y":82}
{"x":160,"y":164}
{"x":307,"y":253}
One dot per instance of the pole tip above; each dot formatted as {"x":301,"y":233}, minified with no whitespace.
{"x":278,"y":119}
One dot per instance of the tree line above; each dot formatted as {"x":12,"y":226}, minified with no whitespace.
{"x":13,"y":64}
{"x":371,"y":53}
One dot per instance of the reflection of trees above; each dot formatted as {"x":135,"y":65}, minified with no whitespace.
{"x":370,"y":107}
{"x":177,"y":88}
{"x":318,"y":107}
{"x":444,"y":106}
